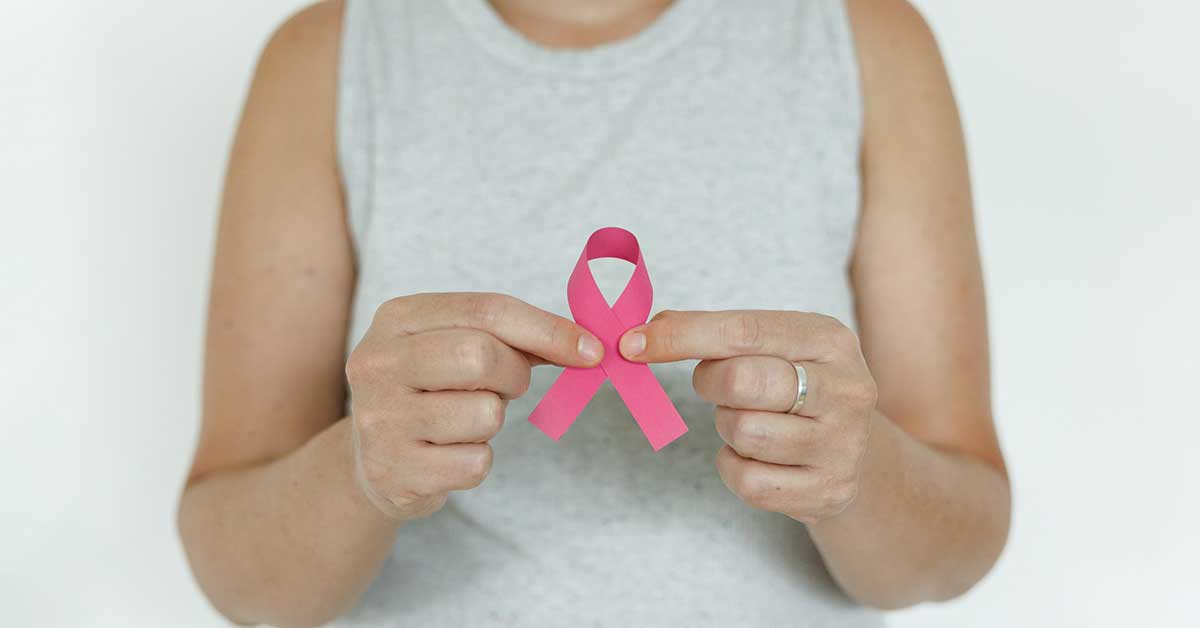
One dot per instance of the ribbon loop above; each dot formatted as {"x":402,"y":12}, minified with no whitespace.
{"x":634,"y":382}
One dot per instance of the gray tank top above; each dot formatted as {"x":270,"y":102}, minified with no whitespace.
{"x":725,"y":136}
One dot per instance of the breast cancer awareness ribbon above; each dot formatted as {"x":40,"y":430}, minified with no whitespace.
{"x":635,"y":383}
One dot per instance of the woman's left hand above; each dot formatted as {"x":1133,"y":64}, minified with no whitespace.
{"x":800,"y":460}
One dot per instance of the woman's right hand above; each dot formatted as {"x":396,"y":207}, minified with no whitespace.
{"x":430,"y":382}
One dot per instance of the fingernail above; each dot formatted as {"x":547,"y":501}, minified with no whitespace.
{"x":633,"y":344}
{"x":590,"y":348}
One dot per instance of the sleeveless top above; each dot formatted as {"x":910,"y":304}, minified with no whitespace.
{"x":725,"y":136}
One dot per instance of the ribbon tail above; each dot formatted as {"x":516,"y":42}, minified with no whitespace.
{"x":567,"y":397}
{"x":648,"y":403}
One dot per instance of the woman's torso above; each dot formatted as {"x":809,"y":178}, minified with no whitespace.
{"x":725,"y":136}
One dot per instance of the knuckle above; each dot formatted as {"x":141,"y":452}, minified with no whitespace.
{"x":475,"y":355}
{"x":866,"y":392}
{"x":746,"y":434}
{"x":700,"y":378}
{"x":753,"y":487}
{"x":376,"y":476}
{"x":364,"y":363}
{"x":559,"y":334}
{"x":476,"y":467}
{"x":742,"y":331}
{"x":419,"y":506}
{"x":432,"y":504}
{"x":492,"y":414}
{"x":842,"y":337}
{"x":663,"y":315}
{"x":741,"y":382}
{"x":824,"y":327}
{"x":374,"y":472}
{"x":711,"y":381}
{"x":391,"y":308}
{"x":421,"y":487}
{"x":526,"y":374}
{"x":484,"y":309}
{"x":667,"y":337}
{"x":723,"y":417}
{"x":367,"y":424}
{"x":826,"y":322}
{"x":355,"y":369}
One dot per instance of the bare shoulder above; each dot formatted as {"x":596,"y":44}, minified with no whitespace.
{"x":908,"y":100}
{"x":901,"y":66}
{"x":891,"y":33}
{"x":290,"y":109}
{"x":301,"y":59}
{"x":311,"y":34}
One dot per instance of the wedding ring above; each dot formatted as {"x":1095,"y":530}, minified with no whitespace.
{"x":801,"y":388}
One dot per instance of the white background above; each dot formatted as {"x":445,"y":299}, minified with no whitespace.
{"x":1083,"y":121}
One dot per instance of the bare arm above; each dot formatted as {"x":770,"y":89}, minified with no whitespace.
{"x":290,"y":508}
{"x":272,"y":473}
{"x":933,"y":508}
{"x":892,"y":460}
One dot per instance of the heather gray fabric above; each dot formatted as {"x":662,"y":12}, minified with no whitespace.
{"x":725,"y":136}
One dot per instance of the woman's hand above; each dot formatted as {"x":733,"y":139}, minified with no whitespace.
{"x":803,"y":464}
{"x":430,"y":382}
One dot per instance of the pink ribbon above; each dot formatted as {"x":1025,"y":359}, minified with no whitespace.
{"x":641,"y":392}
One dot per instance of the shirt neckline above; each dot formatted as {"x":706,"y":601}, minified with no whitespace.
{"x":495,"y":35}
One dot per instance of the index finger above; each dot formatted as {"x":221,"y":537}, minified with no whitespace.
{"x":793,"y":336}
{"x":515,"y":322}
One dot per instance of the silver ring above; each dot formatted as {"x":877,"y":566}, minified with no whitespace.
{"x":801,"y":388}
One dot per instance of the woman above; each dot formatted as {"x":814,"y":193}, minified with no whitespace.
{"x":409,"y":188}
